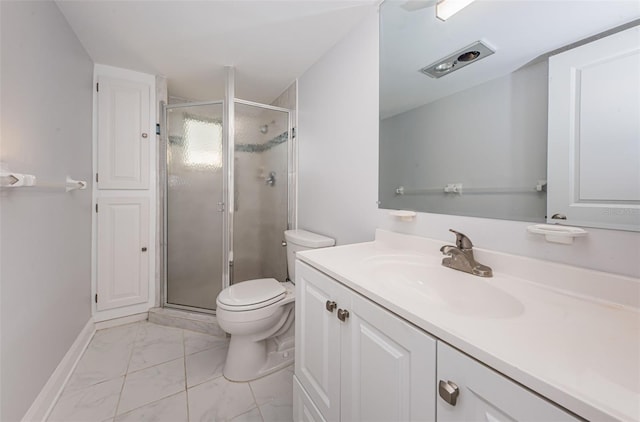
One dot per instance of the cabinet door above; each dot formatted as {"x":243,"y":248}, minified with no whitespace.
{"x":124,"y":134}
{"x":317,"y":363}
{"x":594,"y":133}
{"x":485,"y":395}
{"x":388,"y":367}
{"x":123,"y":255}
{"x":303,"y":408}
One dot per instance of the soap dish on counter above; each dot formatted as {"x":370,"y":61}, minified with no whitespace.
{"x":403,"y":215}
{"x":556,"y":233}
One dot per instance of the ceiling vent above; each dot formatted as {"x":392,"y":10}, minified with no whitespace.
{"x":461,"y":58}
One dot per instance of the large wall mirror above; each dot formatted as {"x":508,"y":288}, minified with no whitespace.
{"x":464,"y":102}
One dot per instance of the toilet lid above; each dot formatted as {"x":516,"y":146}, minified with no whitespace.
{"x":260,"y":292}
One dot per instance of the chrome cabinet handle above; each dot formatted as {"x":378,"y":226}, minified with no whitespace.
{"x":558,"y":216}
{"x":330,"y":305}
{"x":343,"y":314}
{"x":284,"y":243}
{"x":449,"y":392}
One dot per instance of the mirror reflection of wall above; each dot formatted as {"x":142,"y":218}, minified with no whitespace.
{"x":483,"y":126}
{"x":489,"y":138}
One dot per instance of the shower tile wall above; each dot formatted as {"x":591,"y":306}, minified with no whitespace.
{"x":260,"y":214}
{"x":276,"y":204}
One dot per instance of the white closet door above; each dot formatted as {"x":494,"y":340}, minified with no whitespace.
{"x":594,"y":133}
{"x":123,"y":252}
{"x":124,"y":134}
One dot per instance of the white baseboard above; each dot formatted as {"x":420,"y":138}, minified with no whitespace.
{"x":43,"y":404}
{"x":101,"y":325}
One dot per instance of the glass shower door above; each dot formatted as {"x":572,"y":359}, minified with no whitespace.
{"x":261,"y":172}
{"x":194,"y":198}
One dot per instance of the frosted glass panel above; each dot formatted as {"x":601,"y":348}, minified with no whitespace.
{"x":194,"y":189}
{"x":261,"y":175}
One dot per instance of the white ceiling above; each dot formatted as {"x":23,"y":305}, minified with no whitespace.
{"x":519,"y":30}
{"x":270,"y":43}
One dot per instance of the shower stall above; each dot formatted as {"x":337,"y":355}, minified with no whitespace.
{"x":229,"y":193}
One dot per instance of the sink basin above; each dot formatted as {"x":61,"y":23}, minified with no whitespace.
{"x":458,"y":292}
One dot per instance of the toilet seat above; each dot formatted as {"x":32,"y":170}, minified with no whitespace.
{"x":251,"y":294}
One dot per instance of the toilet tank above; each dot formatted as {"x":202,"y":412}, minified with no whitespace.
{"x":302,"y":240}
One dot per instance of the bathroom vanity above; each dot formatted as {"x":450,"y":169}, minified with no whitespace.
{"x":384,"y":332}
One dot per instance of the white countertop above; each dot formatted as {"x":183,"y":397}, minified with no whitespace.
{"x":546,"y":328}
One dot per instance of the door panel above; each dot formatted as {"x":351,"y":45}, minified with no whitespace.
{"x":194,"y":205}
{"x":123,"y":265}
{"x":317,"y":357}
{"x":124,"y":134}
{"x":303,"y":408}
{"x":388,"y":371}
{"x":594,"y":133}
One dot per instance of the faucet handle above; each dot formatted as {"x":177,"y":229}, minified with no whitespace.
{"x":462,"y":241}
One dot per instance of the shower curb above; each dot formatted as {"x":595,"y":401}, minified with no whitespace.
{"x":193,"y":321}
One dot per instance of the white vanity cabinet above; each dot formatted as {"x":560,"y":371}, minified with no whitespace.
{"x":481,"y":394}
{"x":355,"y":361}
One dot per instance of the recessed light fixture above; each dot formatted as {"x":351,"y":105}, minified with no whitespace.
{"x":447,"y":8}
{"x":461,"y":58}
{"x":468,"y":56}
{"x":444,"y":67}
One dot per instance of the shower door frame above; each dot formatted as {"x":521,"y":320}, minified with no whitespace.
{"x":228,"y":185}
{"x":291,"y":179}
{"x":164,"y":181}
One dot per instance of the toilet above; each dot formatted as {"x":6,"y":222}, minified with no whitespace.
{"x":258,"y":314}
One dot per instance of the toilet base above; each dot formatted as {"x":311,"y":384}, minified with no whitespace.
{"x":247,"y":361}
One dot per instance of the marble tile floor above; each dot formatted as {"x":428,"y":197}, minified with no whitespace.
{"x":149,"y":372}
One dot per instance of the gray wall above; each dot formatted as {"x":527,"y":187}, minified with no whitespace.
{"x":338,"y":174}
{"x":490,"y":136}
{"x":45,"y":255}
{"x":338,"y":139}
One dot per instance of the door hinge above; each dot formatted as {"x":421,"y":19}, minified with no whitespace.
{"x":96,"y":298}
{"x":157,"y":128}
{"x":96,"y":177}
{"x":97,"y":87}
{"x":293,"y":133}
{"x":96,"y":207}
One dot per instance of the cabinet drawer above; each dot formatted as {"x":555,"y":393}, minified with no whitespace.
{"x":485,"y":395}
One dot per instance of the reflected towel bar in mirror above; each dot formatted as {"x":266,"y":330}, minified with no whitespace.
{"x":457,"y":188}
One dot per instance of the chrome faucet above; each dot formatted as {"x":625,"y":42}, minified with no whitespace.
{"x":460,"y":257}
